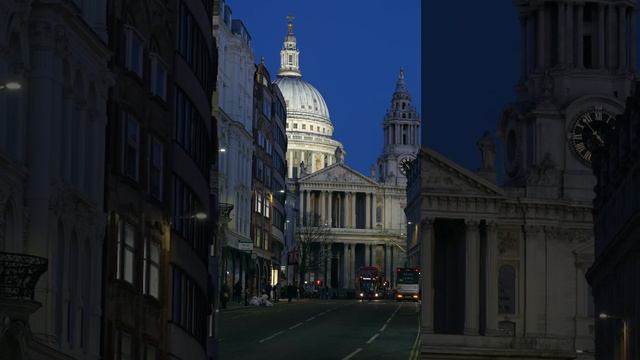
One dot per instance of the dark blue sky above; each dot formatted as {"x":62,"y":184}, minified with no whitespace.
{"x":352,"y":51}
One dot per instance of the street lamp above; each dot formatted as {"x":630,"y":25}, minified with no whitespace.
{"x":12,"y":85}
{"x":625,"y":331}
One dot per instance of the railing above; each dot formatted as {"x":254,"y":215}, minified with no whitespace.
{"x":19,"y":274}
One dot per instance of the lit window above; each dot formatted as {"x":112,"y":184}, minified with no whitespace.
{"x":158,"y":78}
{"x":267,"y":208}
{"x":259,"y":204}
{"x":151,"y":276}
{"x":155,"y":167}
{"x":131,"y":146}
{"x":134,"y":53}
{"x":126,"y":252}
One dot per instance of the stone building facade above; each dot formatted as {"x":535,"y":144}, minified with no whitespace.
{"x":233,"y":106}
{"x":52,"y":136}
{"x":268,"y":216}
{"x":614,"y":274}
{"x":138,"y":189}
{"x":504,"y":266}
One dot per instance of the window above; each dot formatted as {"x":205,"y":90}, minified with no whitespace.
{"x":304,"y":126}
{"x":290,"y":59}
{"x":151,"y":277}
{"x":295,"y":125}
{"x":507,"y":290}
{"x":266,"y":107}
{"x":259,"y":203}
{"x":134,"y":52}
{"x":189,"y":306}
{"x":158,"y":77}
{"x":192,"y":45}
{"x":131,"y":146}
{"x":155,"y":167}
{"x":258,"y":235}
{"x":267,"y":208}
{"x":126,"y":252}
{"x":191,"y":132}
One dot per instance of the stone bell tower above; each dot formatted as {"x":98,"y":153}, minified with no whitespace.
{"x":578,"y":62}
{"x":401,"y":136}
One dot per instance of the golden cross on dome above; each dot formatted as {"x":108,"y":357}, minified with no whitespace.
{"x":290,"y":18}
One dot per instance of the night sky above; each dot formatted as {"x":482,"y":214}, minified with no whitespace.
{"x":351,"y":51}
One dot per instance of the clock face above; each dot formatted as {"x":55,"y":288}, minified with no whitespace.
{"x":588,"y":132}
{"x":405,"y":164}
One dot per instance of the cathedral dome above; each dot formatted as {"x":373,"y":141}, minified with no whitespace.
{"x":304,"y":101}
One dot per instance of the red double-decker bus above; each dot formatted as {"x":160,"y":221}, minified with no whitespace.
{"x":369,"y":283}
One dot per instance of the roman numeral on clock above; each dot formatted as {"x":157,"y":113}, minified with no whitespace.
{"x":581,"y":148}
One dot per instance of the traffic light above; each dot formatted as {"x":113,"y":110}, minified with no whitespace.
{"x":318,"y":282}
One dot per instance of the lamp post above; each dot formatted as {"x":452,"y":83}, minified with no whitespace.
{"x":625,"y":332}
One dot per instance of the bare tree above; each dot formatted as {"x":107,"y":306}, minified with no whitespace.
{"x":314,"y":241}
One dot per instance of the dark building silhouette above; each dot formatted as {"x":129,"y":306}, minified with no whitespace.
{"x":159,"y":196}
{"x":615,"y":274}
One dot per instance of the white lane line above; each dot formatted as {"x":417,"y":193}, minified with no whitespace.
{"x":311,"y":318}
{"x":352,"y":354}
{"x":383,"y":327}
{"x":295,"y":326}
{"x":372,"y":338}
{"x":272,"y":336}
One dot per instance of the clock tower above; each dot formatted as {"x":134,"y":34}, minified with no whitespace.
{"x":401,"y":136}
{"x":578,"y":63}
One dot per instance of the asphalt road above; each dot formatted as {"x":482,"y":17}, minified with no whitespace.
{"x":321,"y":329}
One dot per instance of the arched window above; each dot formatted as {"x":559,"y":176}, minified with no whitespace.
{"x":507,"y":290}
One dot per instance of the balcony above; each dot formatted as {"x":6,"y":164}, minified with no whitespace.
{"x":19,"y":274}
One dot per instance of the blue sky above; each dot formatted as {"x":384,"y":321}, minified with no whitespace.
{"x":352,"y":51}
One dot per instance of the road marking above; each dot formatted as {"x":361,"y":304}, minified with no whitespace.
{"x":383,"y":327}
{"x":295,"y":326}
{"x":311,"y":318}
{"x":372,"y":338}
{"x":272,"y":336}
{"x":415,"y":350}
{"x":352,"y":354}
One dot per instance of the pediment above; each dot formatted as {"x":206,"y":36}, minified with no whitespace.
{"x":440,"y":175}
{"x":338,"y":173}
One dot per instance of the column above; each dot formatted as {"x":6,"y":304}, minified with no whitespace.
{"x":343,"y":267}
{"x":301,"y":194}
{"x":580,"y":36}
{"x":491,"y":270}
{"x":328,"y":265}
{"x":312,"y":166}
{"x":323,"y":210}
{"x":561,"y":33}
{"x":541,"y":37}
{"x":367,"y":210}
{"x":569,"y":36}
{"x":367,"y":255}
{"x":427,"y":244}
{"x":290,"y":164}
{"x":353,"y":210}
{"x":601,"y":34}
{"x":352,"y":266}
{"x":472,"y":278}
{"x":330,"y":206}
{"x":634,"y":41}
{"x":308,"y":208}
{"x":622,"y":37}
{"x":611,"y":36}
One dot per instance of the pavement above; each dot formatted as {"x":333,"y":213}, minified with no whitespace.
{"x":320,"y":329}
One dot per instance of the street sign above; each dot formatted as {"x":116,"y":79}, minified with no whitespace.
{"x":245,"y":246}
